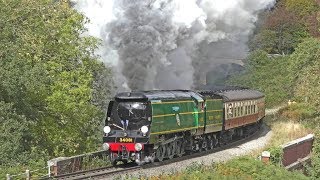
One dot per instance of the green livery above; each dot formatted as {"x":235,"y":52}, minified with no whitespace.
{"x":144,"y":126}
{"x":192,"y":114}
{"x":213,"y":115}
{"x":173,"y":116}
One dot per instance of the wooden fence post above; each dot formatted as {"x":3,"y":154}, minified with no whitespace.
{"x":265,"y":157}
{"x":27,"y":174}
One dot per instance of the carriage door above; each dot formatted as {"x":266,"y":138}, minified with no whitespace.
{"x":198,"y":109}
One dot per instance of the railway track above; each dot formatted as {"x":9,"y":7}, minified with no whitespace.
{"x":126,"y":169}
{"x":99,"y":172}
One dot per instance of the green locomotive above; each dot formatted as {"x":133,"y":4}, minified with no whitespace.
{"x":144,"y":126}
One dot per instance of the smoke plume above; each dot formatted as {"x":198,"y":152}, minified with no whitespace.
{"x":169,"y":44}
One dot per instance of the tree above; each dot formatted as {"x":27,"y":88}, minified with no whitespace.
{"x":48,"y":73}
{"x":13,"y":132}
{"x":265,"y":40}
{"x":302,"y":7}
{"x":288,"y":28}
{"x":283,"y":30}
{"x":267,"y":74}
{"x":305,"y":71}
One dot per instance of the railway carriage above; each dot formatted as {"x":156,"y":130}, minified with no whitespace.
{"x":144,"y":126}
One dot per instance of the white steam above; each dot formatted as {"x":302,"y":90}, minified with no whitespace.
{"x":169,"y":44}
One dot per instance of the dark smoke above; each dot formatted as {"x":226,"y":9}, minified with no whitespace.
{"x":169,"y":44}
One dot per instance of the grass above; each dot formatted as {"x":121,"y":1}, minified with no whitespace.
{"x":248,"y":167}
{"x":283,"y":131}
{"x":286,"y":131}
{"x":242,"y":168}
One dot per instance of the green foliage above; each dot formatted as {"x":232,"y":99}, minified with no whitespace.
{"x":13,"y":133}
{"x":50,"y":75}
{"x":265,"y":40}
{"x":276,"y":155}
{"x":285,"y":77}
{"x":305,"y":70}
{"x":298,"y":111}
{"x":94,"y":162}
{"x":293,"y":76}
{"x":268,"y":75}
{"x":258,"y":59}
{"x":286,"y":26}
{"x":286,"y":37}
{"x":14,"y":152}
{"x":38,"y":166}
{"x":302,"y":7}
{"x":241,"y":168}
{"x":257,"y":170}
{"x":314,"y":171}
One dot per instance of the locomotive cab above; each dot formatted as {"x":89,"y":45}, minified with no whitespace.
{"x":127,"y":128}
{"x":147,"y":126}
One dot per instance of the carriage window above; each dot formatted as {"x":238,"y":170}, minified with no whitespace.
{"x":242,"y":111}
{"x":232,"y":112}
{"x":200,"y":105}
{"x":256,"y":106}
{"x":229,"y":110}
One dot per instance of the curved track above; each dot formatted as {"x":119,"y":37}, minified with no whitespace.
{"x":99,"y":172}
{"x":123,"y":169}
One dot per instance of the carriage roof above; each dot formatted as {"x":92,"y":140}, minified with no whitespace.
{"x":235,"y":94}
{"x":157,"y":95}
{"x":239,"y":95}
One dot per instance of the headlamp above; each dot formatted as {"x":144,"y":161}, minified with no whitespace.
{"x":138,"y":147}
{"x":144,"y":129}
{"x":106,"y":129}
{"x":105,"y":146}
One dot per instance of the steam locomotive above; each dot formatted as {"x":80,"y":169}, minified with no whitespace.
{"x":144,"y":126}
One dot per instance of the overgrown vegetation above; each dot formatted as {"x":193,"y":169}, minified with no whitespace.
{"x":284,"y":64}
{"x":285,"y":52}
{"x":282,"y":78}
{"x":284,"y":131}
{"x":53,"y":91}
{"x":286,"y":26}
{"x":251,"y":167}
{"x":314,"y":169}
{"x":241,"y":168}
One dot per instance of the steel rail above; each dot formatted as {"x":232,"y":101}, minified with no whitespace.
{"x":106,"y":172}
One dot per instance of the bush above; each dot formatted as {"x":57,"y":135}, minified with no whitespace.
{"x":276,"y":154}
{"x":297,"y":112}
{"x":13,"y":135}
{"x":314,"y":170}
{"x":241,"y":168}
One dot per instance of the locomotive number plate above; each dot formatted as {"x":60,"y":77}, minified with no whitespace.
{"x":126,"y":140}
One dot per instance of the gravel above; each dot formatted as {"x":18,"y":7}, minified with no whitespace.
{"x":258,"y":143}
{"x":244,"y":149}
